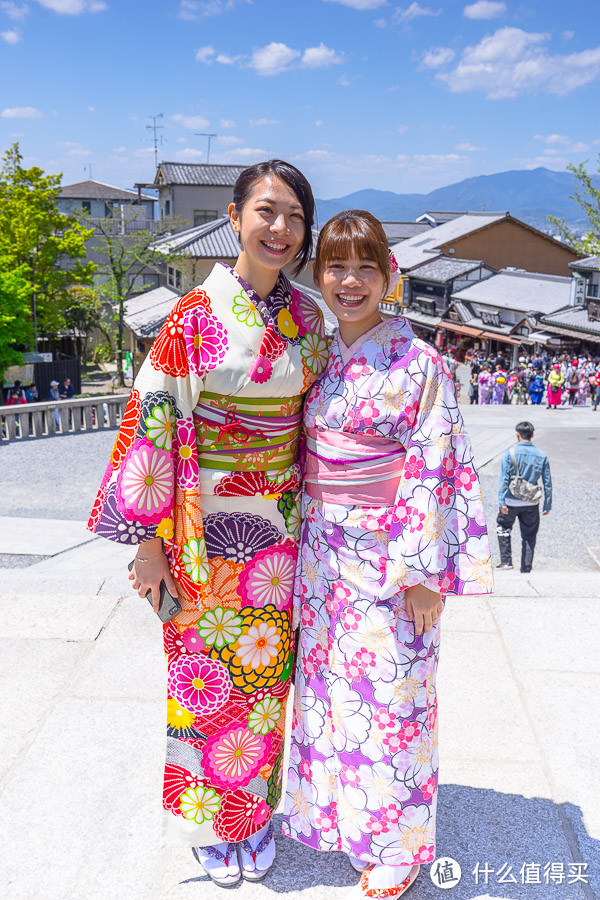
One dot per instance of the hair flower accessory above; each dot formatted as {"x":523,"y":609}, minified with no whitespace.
{"x":394,"y":274}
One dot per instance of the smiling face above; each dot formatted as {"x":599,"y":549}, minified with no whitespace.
{"x":271,"y":227}
{"x":352,"y":289}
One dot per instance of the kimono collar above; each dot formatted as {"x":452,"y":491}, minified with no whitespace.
{"x":269,"y":308}
{"x":398,"y":324}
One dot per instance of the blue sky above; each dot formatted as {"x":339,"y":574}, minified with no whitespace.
{"x":357,"y":93}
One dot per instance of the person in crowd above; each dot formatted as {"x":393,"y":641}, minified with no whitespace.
{"x":203,"y":479}
{"x":572,"y":382}
{"x":485,"y":384}
{"x":15,"y":396}
{"x":584,"y":388}
{"x":536,"y":389}
{"x":499,"y":379}
{"x":32,"y":394}
{"x":379,"y":553}
{"x":555,"y":382}
{"x":67,"y":390}
{"x":474,"y":388}
{"x":594,"y":380}
{"x":519,"y":495}
{"x":55,"y":395}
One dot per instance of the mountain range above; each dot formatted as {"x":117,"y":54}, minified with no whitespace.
{"x":528,"y":194}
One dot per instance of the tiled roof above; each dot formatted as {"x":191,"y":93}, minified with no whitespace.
{"x":213,"y":240}
{"x":423,"y":247}
{"x":445,"y":269}
{"x":146,"y":312}
{"x":575,"y":317}
{"x":97,"y":190}
{"x":590,"y":262}
{"x":522,"y":291}
{"x":401,"y":231}
{"x":197,"y":173}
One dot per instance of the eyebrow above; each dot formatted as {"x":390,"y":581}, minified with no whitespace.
{"x":274,"y":202}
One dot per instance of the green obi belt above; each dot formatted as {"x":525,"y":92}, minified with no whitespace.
{"x":253,"y":434}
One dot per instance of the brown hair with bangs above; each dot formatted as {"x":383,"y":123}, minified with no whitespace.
{"x":353,"y":232}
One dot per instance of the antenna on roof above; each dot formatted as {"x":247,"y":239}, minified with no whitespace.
{"x":89,"y":171}
{"x":206,"y":134}
{"x":154,"y":129}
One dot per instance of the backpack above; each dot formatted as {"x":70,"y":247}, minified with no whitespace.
{"x":520,"y":488}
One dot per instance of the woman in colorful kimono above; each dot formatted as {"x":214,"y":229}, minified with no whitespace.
{"x":205,"y":466}
{"x":485,"y":385}
{"x":556,"y":379}
{"x":498,"y":386}
{"x":393,"y":525}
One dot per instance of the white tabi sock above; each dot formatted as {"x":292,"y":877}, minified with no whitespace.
{"x":388,"y":876}
{"x":263,"y":859}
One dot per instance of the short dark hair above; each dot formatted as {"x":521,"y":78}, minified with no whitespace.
{"x":525,"y":430}
{"x":295,"y":180}
{"x":358,"y":230}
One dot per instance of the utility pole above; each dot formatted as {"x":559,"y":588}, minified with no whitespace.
{"x":208,"y":135}
{"x":154,"y":128}
{"x":89,"y":171}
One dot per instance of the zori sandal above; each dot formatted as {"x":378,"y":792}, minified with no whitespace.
{"x":256,"y":862}
{"x":388,"y":893}
{"x":220,"y":863}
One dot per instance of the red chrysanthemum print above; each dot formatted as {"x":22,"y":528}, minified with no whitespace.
{"x":145,"y":483}
{"x":199,"y":684}
{"x":173,"y":642}
{"x":272,"y":346}
{"x":177,"y":780}
{"x":128,"y":429}
{"x":261,"y":370}
{"x":306,"y":312}
{"x":233,"y":756}
{"x":241,"y":815}
{"x":205,"y":340}
{"x":248,"y":484}
{"x":97,"y":509}
{"x":168,"y":352}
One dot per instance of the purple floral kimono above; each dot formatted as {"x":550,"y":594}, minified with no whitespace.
{"x":391,"y":500}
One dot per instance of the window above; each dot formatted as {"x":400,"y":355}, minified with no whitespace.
{"x":177,"y":279}
{"x":426,"y":306}
{"x":174,"y":278}
{"x":86,"y":206}
{"x":592,"y":290}
{"x":167,"y":207}
{"x":202,"y":216}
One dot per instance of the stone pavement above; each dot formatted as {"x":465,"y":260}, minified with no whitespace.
{"x":81,"y":736}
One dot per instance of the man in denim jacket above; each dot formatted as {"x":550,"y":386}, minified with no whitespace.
{"x":533,"y":464}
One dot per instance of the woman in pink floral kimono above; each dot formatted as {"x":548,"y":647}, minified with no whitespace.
{"x":393,"y":524}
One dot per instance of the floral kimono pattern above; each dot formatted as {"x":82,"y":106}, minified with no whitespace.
{"x":206,"y":458}
{"x":485,"y":387}
{"x":363,"y":765}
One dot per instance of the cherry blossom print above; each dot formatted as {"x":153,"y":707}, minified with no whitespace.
{"x":269,"y":578}
{"x":410,"y":413}
{"x":186,"y":455}
{"x":233,"y":756}
{"x":445,"y":493}
{"x":205,"y":339}
{"x":145,"y":483}
{"x":413,"y":467}
{"x":201,"y":685}
{"x":262,"y":370}
{"x":466,"y":477}
{"x":359,"y":368}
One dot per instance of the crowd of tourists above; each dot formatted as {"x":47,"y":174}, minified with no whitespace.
{"x":20,"y":394}
{"x":559,"y":379}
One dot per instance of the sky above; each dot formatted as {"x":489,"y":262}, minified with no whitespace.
{"x":356,"y":93}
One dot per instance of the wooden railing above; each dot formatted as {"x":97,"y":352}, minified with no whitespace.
{"x":36,"y":420}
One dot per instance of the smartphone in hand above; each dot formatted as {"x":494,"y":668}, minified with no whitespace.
{"x":169,"y":605}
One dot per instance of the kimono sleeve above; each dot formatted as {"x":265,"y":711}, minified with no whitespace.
{"x":438,"y":535}
{"x":151,"y":487}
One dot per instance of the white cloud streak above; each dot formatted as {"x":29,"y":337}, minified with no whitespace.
{"x":484,"y":9}
{"x":21,"y":112}
{"x":192,"y":10}
{"x":15,"y":11}
{"x":73,"y":7}
{"x":256,"y":123}
{"x":274,"y":58}
{"x":437,"y":57}
{"x":205,"y":54}
{"x":191,"y":122}
{"x":11,"y":36}
{"x":359,"y":4}
{"x":320,"y":57}
{"x":413,"y":12}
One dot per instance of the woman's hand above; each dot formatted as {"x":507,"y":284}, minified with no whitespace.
{"x":423,"y":606}
{"x":150,"y":568}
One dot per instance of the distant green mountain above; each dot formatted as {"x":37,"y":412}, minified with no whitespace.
{"x":528,"y":194}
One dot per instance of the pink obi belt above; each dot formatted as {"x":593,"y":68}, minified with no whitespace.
{"x":353,"y":469}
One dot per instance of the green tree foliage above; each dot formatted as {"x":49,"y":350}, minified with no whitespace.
{"x":84,"y":313}
{"x":587,"y":196}
{"x":47,"y":247}
{"x":16,"y":325}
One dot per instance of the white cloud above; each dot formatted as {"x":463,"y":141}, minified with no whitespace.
{"x":73,"y":7}
{"x":437,"y":57}
{"x":191,"y":10}
{"x":468,"y":147}
{"x":245,"y":154}
{"x":566,"y":144}
{"x":556,"y":163}
{"x":227,"y":123}
{"x":256,"y":123}
{"x":228,"y":140}
{"x":191,"y":153}
{"x":22,"y":112}
{"x":227,"y":60}
{"x":14,"y":10}
{"x":73,"y":148}
{"x":91,"y":109}
{"x":380,"y":23}
{"x":205,"y":54}
{"x":321,"y":56}
{"x":568,"y":35}
{"x":11,"y":36}
{"x":484,"y":9}
{"x":273,"y":58}
{"x":120,"y":150}
{"x":318,"y":123}
{"x":512,"y":62}
{"x":17,"y":134}
{"x":402,"y":129}
{"x":191,"y":122}
{"x":359,"y":4}
{"x":344,"y":81}
{"x":414,"y":11}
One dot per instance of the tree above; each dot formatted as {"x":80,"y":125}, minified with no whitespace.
{"x":587,"y":196}
{"x":46,"y":246}
{"x":127,"y":251}
{"x":16,"y":324}
{"x":84,"y":313}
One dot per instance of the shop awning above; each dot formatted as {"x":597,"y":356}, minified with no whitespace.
{"x":500,"y":337}
{"x":461,"y":329}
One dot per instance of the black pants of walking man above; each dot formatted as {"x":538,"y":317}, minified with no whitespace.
{"x":529,"y":523}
